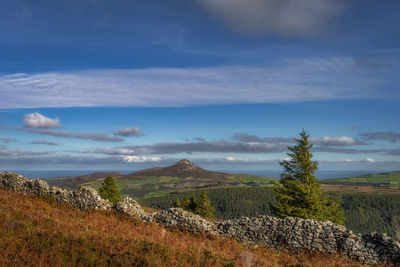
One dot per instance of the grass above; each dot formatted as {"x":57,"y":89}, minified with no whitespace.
{"x":36,"y":232}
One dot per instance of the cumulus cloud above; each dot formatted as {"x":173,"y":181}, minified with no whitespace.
{"x":37,"y":120}
{"x":50,"y":143}
{"x":287,"y":81}
{"x":387,"y":136}
{"x":285,"y":17}
{"x":89,"y":136}
{"x":136,"y":159}
{"x":7,"y":140}
{"x":134,"y":131}
{"x":336,"y":141}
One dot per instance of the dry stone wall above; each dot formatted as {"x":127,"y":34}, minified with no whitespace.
{"x":290,"y":233}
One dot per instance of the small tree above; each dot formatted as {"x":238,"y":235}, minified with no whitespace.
{"x":189,"y":204}
{"x":204,"y":207}
{"x":109,"y":190}
{"x":298,"y":194}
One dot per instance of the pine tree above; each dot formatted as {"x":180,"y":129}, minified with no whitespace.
{"x":109,"y":190}
{"x":298,"y":194}
{"x":189,"y":204}
{"x":204,"y":207}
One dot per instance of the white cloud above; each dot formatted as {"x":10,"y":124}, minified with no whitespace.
{"x":37,"y":120}
{"x":136,"y":159}
{"x":370,"y":160}
{"x":285,"y":17}
{"x":134,"y":131}
{"x":336,"y":141}
{"x":288,"y":81}
{"x":245,"y":160}
{"x":355,"y":160}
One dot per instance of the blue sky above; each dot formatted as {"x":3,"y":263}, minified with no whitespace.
{"x":228,"y":83}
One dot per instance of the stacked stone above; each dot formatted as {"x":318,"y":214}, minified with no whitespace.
{"x":300,"y":235}
{"x":386,"y":248}
{"x":84,"y":198}
{"x":179,"y":218}
{"x":130,"y":207}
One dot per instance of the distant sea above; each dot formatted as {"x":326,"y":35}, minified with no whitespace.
{"x":321,"y":174}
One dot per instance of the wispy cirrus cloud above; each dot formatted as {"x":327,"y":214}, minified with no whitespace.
{"x":64,"y":134}
{"x":336,"y":141}
{"x":320,"y":141}
{"x":293,"y":80}
{"x":285,"y":17}
{"x":37,"y":120}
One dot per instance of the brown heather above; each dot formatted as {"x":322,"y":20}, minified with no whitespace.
{"x":37,"y":232}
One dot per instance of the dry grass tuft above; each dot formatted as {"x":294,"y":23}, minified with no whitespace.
{"x":41,"y":233}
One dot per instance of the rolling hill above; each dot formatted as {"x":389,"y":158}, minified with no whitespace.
{"x":75,"y":181}
{"x":162,"y":180}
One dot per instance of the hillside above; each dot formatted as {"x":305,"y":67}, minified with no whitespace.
{"x":365,"y":212}
{"x":182,"y":175}
{"x":75,"y":181}
{"x":390,"y":179}
{"x":182,"y":169}
{"x":36,"y":233}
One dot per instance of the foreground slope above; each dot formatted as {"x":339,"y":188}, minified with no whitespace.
{"x":36,"y":232}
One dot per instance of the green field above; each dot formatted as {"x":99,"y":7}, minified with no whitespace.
{"x":160,"y":186}
{"x":381,"y":179}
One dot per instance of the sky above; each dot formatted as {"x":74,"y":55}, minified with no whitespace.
{"x":228,"y":84}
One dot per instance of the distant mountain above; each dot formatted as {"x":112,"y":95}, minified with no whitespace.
{"x":75,"y":181}
{"x":160,"y":180}
{"x":182,"y":169}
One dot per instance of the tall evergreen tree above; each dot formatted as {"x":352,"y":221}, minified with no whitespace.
{"x":298,"y":194}
{"x":204,"y":207}
{"x":109,"y":190}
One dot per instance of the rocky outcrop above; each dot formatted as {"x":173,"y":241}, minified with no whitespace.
{"x":179,"y":218}
{"x":84,"y":198}
{"x":130,"y":207}
{"x":291,"y":233}
{"x":299,"y":234}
